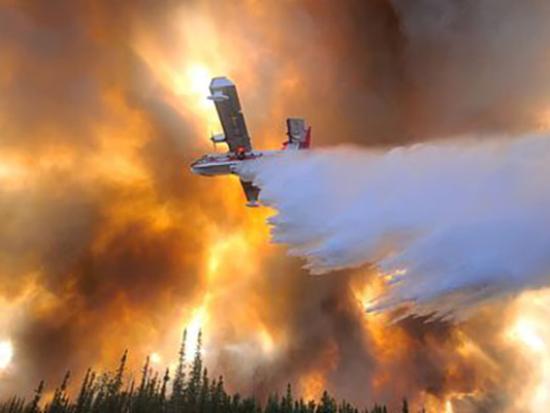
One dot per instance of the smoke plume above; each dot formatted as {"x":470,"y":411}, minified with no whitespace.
{"x":108,"y":242}
{"x":441,"y":219}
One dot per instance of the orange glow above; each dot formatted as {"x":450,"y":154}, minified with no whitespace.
{"x":6,"y":354}
{"x":367,"y":292}
{"x":312,"y":385}
{"x":186,"y":71}
{"x":155,"y":358}
{"x":194,"y":326}
{"x":19,"y":171}
{"x":389,"y":342}
{"x":232,"y":256}
{"x":313,"y":382}
{"x":195,"y":85}
{"x":267,"y":342}
{"x":543,"y":120}
{"x":525,"y":332}
{"x":12,"y":174}
{"x":209,"y":264}
{"x":530,"y":333}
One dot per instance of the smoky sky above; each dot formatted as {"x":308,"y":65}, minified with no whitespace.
{"x":105,"y":272}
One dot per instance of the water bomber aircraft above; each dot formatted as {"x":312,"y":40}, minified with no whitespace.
{"x":235,"y":134}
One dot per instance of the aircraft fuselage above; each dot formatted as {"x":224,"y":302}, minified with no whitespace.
{"x":235,"y":135}
{"x":214,"y":164}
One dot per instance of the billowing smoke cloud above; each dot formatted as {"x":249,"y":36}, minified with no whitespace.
{"x":442,"y":218}
{"x":107,"y":242}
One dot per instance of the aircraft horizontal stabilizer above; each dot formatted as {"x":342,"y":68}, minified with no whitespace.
{"x":218,"y":97}
{"x":219,"y":138}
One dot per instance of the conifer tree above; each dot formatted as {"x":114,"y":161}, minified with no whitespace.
{"x":193,"y":385}
{"x":272,"y":405}
{"x":144,"y":376}
{"x":109,"y":394}
{"x":84,"y":392}
{"x":286,"y":402}
{"x":327,"y":404}
{"x":14,"y":405}
{"x":204,"y":397}
{"x":165,"y":380}
{"x":178,"y":385}
{"x":60,"y":399}
{"x":33,"y":407}
{"x":116,"y":383}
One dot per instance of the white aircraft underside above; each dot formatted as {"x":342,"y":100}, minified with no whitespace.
{"x":224,"y":95}
{"x":214,"y":164}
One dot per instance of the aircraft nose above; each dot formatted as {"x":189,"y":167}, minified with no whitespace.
{"x":194,"y":168}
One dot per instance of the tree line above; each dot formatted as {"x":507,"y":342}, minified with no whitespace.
{"x":190,"y":390}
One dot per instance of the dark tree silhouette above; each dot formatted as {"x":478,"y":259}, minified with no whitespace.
{"x":191,"y":391}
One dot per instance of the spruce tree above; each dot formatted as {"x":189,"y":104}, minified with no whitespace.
{"x":165,"y":380}
{"x":327,"y":404}
{"x":195,"y":376}
{"x":86,"y":392}
{"x":272,"y":405}
{"x":109,"y":394}
{"x":60,"y":399}
{"x":178,"y":386}
{"x":116,"y":383}
{"x":286,"y":402}
{"x":204,"y":397}
{"x":33,"y":407}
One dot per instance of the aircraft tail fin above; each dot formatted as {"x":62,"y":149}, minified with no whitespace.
{"x":299,"y":135}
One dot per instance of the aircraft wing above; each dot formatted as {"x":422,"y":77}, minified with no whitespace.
{"x":251,"y":192}
{"x":224,"y":94}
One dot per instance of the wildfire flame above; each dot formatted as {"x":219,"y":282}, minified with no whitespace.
{"x":108,"y":230}
{"x":6,"y":354}
{"x":530,"y":333}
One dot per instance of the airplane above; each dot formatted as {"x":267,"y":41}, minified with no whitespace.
{"x":235,"y":135}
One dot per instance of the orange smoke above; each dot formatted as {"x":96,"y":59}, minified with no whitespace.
{"x":108,"y":242}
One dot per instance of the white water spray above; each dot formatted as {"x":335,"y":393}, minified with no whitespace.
{"x":464,"y":220}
